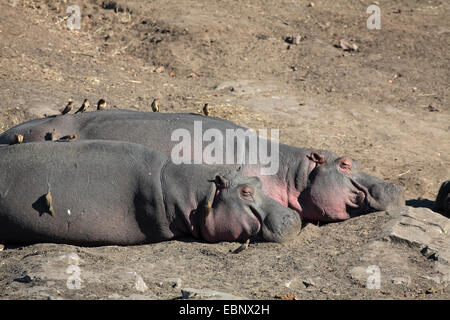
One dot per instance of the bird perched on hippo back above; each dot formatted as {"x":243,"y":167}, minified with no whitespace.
{"x":155,"y":105}
{"x":206,"y":109}
{"x":67,"y":138}
{"x":68,"y":108}
{"x":136,"y":196}
{"x":84,"y":106}
{"x":18,"y":139}
{"x":316,"y":183}
{"x":101,"y":104}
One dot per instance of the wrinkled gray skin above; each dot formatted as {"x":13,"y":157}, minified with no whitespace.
{"x":112,"y":192}
{"x":315,"y":183}
{"x":442,"y":203}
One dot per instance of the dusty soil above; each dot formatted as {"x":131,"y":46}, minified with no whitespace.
{"x":371,"y":104}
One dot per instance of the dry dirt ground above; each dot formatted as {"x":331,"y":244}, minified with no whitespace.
{"x":386,"y":105}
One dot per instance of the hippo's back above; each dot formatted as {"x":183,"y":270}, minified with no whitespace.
{"x":94,"y":186}
{"x":148,"y":128}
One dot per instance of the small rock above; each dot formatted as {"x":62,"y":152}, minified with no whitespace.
{"x":140,"y":284}
{"x":294,"y":39}
{"x":160,"y":69}
{"x":345,"y":45}
{"x":2,"y":246}
{"x":432,"y":108}
{"x":311,"y":5}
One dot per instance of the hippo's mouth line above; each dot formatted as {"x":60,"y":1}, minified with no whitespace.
{"x":367,"y":203}
{"x":257,"y":217}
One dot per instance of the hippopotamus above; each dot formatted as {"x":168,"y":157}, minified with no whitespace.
{"x":97,"y":192}
{"x":442,"y":203}
{"x":317,"y":184}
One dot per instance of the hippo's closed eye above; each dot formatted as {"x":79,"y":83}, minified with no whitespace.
{"x":345,"y":164}
{"x":246,"y":193}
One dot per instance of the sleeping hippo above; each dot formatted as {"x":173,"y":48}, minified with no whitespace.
{"x":317,"y":184}
{"x":101,"y":192}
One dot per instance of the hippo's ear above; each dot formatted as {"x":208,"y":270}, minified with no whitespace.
{"x":221,"y":182}
{"x":318,"y":158}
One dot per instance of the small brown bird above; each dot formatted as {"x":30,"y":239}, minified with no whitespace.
{"x":155,"y":105}
{"x":345,"y":45}
{"x":242,"y":247}
{"x":83,"y":107}
{"x":68,"y":107}
{"x":68,"y":138}
{"x":206,"y":110}
{"x":49,"y":203}
{"x":18,"y":138}
{"x":101,"y":104}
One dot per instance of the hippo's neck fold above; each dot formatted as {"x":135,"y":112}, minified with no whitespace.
{"x":291,"y":178}
{"x":185,"y":188}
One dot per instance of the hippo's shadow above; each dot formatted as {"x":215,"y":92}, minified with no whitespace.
{"x":420,"y":203}
{"x":40,"y":205}
{"x":424,"y":203}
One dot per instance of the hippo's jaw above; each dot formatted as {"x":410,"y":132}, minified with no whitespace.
{"x":224,"y":220}
{"x":336,"y":192}
{"x":240,"y":210}
{"x":217,"y":227}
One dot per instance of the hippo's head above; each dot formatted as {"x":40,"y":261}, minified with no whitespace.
{"x":337,"y":191}
{"x":236,"y":209}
